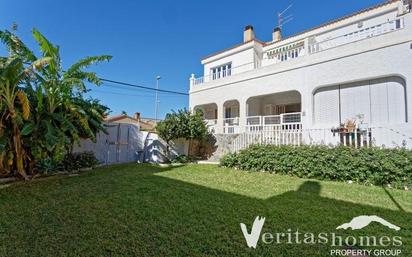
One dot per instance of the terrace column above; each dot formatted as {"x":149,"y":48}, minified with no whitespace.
{"x":306,"y":109}
{"x":220,"y":117}
{"x":242,"y":115}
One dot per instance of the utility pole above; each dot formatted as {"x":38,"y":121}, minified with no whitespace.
{"x":157,"y":98}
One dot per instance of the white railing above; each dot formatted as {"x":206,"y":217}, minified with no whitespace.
{"x":273,"y":135}
{"x":285,"y":53}
{"x":211,"y":125}
{"x":357,"y":35}
{"x":287,"y":120}
{"x":358,"y":138}
{"x":231,"y":126}
{"x":199,"y":81}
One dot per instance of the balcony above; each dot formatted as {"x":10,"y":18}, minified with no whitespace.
{"x":357,"y":35}
{"x":287,"y":121}
{"x":303,"y":47}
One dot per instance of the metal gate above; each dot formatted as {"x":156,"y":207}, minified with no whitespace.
{"x":123,"y":143}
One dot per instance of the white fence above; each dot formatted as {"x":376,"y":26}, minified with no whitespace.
{"x":125,"y":143}
{"x":279,"y":135}
{"x":121,"y":144}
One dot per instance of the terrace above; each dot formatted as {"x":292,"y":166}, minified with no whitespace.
{"x":280,"y":52}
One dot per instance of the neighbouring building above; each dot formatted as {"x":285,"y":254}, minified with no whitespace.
{"x":144,"y":124}
{"x":347,"y":81}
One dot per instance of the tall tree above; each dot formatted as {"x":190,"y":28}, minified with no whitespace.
{"x":14,"y":110}
{"x":42,"y":107}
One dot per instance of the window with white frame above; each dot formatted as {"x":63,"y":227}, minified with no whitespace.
{"x":222,"y":71}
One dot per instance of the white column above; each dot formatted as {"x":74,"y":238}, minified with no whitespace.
{"x":306,"y":109}
{"x":242,"y":114}
{"x":220,"y":117}
{"x":192,"y":81}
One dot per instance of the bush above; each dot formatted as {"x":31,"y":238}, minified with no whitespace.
{"x":185,"y":159}
{"x":77,"y":161}
{"x":371,"y":166}
{"x":70,"y":162}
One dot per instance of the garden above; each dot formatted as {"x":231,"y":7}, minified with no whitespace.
{"x":190,"y":210}
{"x":181,"y":209}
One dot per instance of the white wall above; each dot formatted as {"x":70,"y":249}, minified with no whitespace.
{"x":377,"y":57}
{"x":242,"y":59}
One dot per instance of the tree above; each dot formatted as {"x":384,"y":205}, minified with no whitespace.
{"x":182,"y":124}
{"x":42,"y":108}
{"x":15,"y":111}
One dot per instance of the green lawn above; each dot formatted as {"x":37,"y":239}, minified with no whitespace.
{"x":141,"y":210}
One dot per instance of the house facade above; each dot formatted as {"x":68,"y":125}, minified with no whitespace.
{"x":352,"y":74}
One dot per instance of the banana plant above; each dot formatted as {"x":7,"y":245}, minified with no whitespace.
{"x":42,"y":109}
{"x":63,"y":113}
{"x":15,"y":111}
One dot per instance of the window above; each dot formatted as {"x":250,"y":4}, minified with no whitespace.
{"x":228,"y":113}
{"x":398,"y":24}
{"x":222,"y":71}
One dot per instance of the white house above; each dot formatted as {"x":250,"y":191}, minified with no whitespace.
{"x":311,"y":86}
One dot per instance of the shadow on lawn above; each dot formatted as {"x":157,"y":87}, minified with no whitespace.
{"x":217,"y":215}
{"x":137,"y":213}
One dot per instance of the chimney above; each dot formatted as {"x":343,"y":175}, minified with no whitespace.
{"x":277,"y":35}
{"x":137,"y":116}
{"x":248,"y":34}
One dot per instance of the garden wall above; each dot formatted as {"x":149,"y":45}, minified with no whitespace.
{"x":125,"y":143}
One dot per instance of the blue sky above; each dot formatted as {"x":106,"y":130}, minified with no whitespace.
{"x":157,"y":37}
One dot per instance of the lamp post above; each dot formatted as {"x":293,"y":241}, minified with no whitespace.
{"x":157,"y":98}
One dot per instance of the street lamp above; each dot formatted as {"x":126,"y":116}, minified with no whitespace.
{"x":157,"y":98}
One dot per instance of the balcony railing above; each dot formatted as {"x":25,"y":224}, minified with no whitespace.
{"x":257,"y":122}
{"x":357,"y":35}
{"x":297,"y":49}
{"x":284,"y":53}
{"x":231,"y":126}
{"x":211,"y":125}
{"x":285,"y":121}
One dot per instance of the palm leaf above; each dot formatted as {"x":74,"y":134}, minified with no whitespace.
{"x":86,"y":62}
{"x":48,"y":50}
{"x":16,"y":46}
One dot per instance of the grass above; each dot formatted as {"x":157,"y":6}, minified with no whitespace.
{"x":141,"y":210}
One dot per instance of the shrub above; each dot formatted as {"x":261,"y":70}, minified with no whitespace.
{"x":181,"y":159}
{"x":70,"y":162}
{"x":77,"y":161}
{"x":185,"y":159}
{"x":371,"y":166}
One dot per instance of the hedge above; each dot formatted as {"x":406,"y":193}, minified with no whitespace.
{"x":370,"y":166}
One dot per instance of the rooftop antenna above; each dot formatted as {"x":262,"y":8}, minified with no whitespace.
{"x":282,"y":19}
